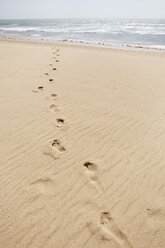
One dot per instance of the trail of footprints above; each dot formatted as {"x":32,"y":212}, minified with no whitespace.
{"x":107,"y":224}
{"x":55,"y":149}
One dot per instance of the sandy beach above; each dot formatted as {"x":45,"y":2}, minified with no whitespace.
{"x":82,"y":147}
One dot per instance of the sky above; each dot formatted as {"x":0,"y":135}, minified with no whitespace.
{"x":25,"y":9}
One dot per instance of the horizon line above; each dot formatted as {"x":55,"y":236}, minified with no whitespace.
{"x":54,"y":18}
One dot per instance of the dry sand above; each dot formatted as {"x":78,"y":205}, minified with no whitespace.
{"x":83,"y":148}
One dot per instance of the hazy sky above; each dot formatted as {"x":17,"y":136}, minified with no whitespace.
{"x":82,"y":8}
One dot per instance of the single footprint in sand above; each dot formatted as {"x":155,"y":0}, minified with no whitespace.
{"x":57,"y":145}
{"x":41,"y":180}
{"x":112,"y":231}
{"x":156,"y":212}
{"x":53,"y":96}
{"x":55,"y":149}
{"x":46,"y":74}
{"x":54,"y":69}
{"x":91,"y":170}
{"x":43,"y":185}
{"x":51,"y":80}
{"x":38,"y":89}
{"x":57,"y":60}
{"x":53,"y":108}
{"x":60,"y":122}
{"x":156,"y":216}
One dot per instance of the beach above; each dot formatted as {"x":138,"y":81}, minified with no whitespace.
{"x":82,"y":147}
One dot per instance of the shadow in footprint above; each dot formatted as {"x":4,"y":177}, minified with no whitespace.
{"x":51,"y":80}
{"x":90,"y":166}
{"x":46,"y":74}
{"x":54,"y":69}
{"x":112,"y":231}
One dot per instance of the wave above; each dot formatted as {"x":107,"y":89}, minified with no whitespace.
{"x":109,"y":30}
{"x":19,"y":29}
{"x":99,"y":31}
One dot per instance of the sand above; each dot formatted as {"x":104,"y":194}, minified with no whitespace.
{"x":82,"y":147}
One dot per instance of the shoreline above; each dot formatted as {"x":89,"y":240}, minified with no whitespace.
{"x":81,"y":45}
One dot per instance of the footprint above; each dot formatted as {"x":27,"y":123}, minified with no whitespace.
{"x":60,"y":122}
{"x":57,"y":145}
{"x":39,"y":89}
{"x":111,"y":229}
{"x":90,"y":166}
{"x":53,"y":108}
{"x":157,"y":212}
{"x":42,"y":186}
{"x":42,"y":180}
{"x":57,"y":60}
{"x":46,"y":74}
{"x":54,"y":69}
{"x":51,"y":80}
{"x":53,"y":96}
{"x":91,"y":170}
{"x":51,"y":64}
{"x":54,"y":149}
{"x":156,"y":217}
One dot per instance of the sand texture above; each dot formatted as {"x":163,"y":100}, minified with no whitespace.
{"x":82,"y":141}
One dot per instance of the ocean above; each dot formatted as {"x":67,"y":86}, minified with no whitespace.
{"x":123,"y":33}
